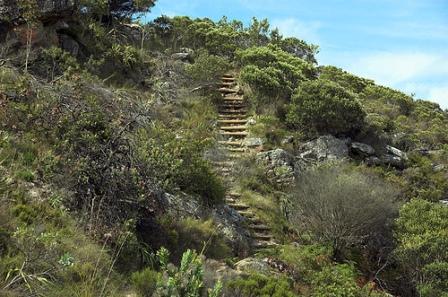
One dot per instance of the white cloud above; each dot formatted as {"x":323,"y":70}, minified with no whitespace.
{"x":399,"y":67}
{"x":292,"y":27}
{"x":422,"y":73}
{"x":439,"y":95}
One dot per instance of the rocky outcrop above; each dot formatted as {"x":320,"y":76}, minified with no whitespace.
{"x":10,"y":11}
{"x":324,"y":148}
{"x":281,"y":166}
{"x":361,"y":149}
{"x":393,"y":157}
{"x":249,"y":265}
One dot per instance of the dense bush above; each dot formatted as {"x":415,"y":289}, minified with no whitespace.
{"x":272,"y":72}
{"x":421,"y":232}
{"x":207,"y":68}
{"x":258,"y":285}
{"x":342,"y":207}
{"x":194,"y":234}
{"x":323,"y":107}
{"x":343,"y":78}
{"x":177,"y":162}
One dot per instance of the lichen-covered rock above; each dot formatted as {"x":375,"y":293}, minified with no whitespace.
{"x":249,"y":265}
{"x":324,"y":148}
{"x":281,"y":166}
{"x":231,"y":225}
{"x":252,"y":142}
{"x":362,"y":149}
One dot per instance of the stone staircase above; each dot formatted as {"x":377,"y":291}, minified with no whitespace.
{"x":233,"y":130}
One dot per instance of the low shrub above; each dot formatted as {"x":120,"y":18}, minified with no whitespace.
{"x":322,"y":106}
{"x":256,"y":285}
{"x":343,"y":207}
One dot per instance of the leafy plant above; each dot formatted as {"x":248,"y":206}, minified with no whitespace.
{"x":325,"y":107}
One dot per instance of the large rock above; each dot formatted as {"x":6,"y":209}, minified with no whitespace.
{"x":56,"y":9}
{"x":324,"y":148}
{"x":250,"y":265}
{"x":393,"y":157}
{"x":231,"y":226}
{"x":362,"y":149}
{"x":281,"y":166}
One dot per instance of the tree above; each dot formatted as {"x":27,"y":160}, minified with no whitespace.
{"x":342,"y":207}
{"x":422,"y":237}
{"x":323,"y":106}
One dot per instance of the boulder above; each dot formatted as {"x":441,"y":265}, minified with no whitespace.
{"x":396,"y":152}
{"x":324,"y":148}
{"x":281,"y":166}
{"x":231,"y":225}
{"x":249,"y":265}
{"x":252,"y":142}
{"x":362,"y":149}
{"x":181,"y":56}
{"x":393,"y":157}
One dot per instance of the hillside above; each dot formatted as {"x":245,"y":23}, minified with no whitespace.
{"x":187,"y":157}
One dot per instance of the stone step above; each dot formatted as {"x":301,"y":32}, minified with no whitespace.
{"x":236,"y":150}
{"x":237,"y":105}
{"x":234,"y":134}
{"x":232,"y":122}
{"x":233,"y":128}
{"x":228,"y":78}
{"x":223,"y":163}
{"x":228,"y":75}
{"x":234,"y":194}
{"x":232,"y":117}
{"x":239,"y":206}
{"x":233,"y":97}
{"x":231,"y":143}
{"x":263,"y":244}
{"x":262,"y":237}
{"x":259,"y":227}
{"x":227,"y":84}
{"x":241,"y":112}
{"x":247,"y":214}
{"x":228,"y":91}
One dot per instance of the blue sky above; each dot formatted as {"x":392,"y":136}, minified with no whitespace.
{"x":398,"y":43}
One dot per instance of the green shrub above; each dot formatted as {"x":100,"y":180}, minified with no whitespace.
{"x":185,"y":280}
{"x":325,"y":107}
{"x":195,"y":234}
{"x":145,"y":282}
{"x":421,"y":233}
{"x":335,"y":281}
{"x":176,"y":162}
{"x":272,"y":72}
{"x":344,"y":79}
{"x":207,"y":67}
{"x":258,"y":285}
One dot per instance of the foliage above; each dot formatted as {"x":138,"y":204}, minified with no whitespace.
{"x":334,"y":281}
{"x":342,"y":207}
{"x":116,"y":8}
{"x":421,"y":232}
{"x":258,"y":285}
{"x":194,"y":234}
{"x":145,"y":282}
{"x":325,"y":107}
{"x":345,"y":79}
{"x":177,"y":162}
{"x":185,"y":280}
{"x":207,"y":67}
{"x":273,"y":72}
